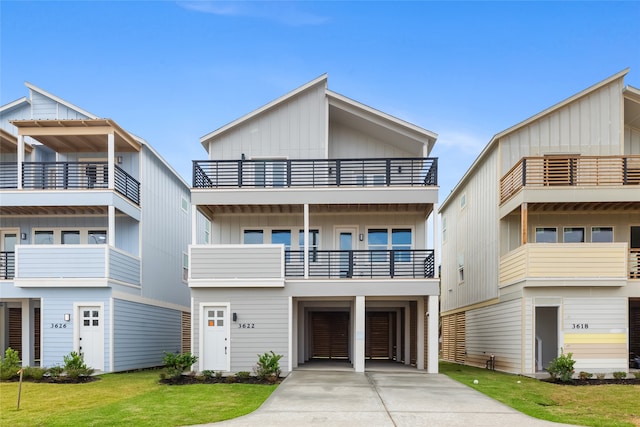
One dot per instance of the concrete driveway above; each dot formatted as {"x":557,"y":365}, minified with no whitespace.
{"x":401,"y":399}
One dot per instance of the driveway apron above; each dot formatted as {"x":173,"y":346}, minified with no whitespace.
{"x":401,"y":399}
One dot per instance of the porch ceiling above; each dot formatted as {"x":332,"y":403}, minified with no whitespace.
{"x":211,"y":210}
{"x":77,"y":136}
{"x":585,"y":207}
{"x":53,"y":210}
{"x":9,"y":143}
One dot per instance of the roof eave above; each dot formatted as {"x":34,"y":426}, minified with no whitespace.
{"x":14,"y":104}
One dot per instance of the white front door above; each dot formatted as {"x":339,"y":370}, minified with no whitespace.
{"x":215,"y":338}
{"x":91,"y":336}
{"x":346,"y":243}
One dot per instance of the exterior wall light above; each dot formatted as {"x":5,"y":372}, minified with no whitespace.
{"x":67,"y":317}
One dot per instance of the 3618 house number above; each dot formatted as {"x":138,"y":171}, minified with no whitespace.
{"x":579,"y":326}
{"x":246,"y":325}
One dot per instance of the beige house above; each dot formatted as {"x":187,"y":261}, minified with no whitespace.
{"x":315,"y":237}
{"x":541,"y":240}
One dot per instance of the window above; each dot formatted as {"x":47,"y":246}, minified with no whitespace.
{"x":270,"y":172}
{"x":207,"y":231}
{"x":460,"y":269}
{"x":96,"y":237}
{"x":185,"y":267}
{"x":602,"y":234}
{"x":463,"y":200}
{"x":546,"y":235}
{"x":253,"y":237}
{"x":314,"y":236}
{"x":401,"y":244}
{"x":378,"y":240}
{"x":44,"y":237}
{"x":282,"y":237}
{"x":70,"y":237}
{"x":184,"y":205}
{"x":573,"y":235}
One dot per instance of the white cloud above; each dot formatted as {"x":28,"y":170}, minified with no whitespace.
{"x":465,"y":142}
{"x":287,"y":13}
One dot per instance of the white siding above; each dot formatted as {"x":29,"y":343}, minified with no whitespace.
{"x":345,"y":142}
{"x":495,"y":330}
{"x":631,"y":140}
{"x":295,"y":129}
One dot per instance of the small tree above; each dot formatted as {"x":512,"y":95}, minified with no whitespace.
{"x":268,"y":366}
{"x":561,"y":367}
{"x":10,"y":364}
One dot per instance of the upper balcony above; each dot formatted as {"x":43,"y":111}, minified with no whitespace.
{"x":69,"y":265}
{"x":69,"y":176}
{"x":570,"y":264}
{"x":570,"y":171}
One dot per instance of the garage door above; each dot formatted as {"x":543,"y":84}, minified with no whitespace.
{"x":330,"y":331}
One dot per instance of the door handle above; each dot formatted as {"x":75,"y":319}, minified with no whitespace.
{"x":225,"y":350}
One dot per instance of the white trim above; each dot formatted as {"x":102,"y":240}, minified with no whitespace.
{"x":238,"y":283}
{"x":60,"y":282}
{"x":111,"y":333}
{"x":148,"y":301}
{"x":9,"y":106}
{"x":202,"y":306}
{"x":290,"y":334}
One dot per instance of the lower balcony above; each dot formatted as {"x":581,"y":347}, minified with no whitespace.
{"x":571,"y":264}
{"x":269,"y":265}
{"x":71,"y":265}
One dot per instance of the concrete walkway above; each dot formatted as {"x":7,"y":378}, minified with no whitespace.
{"x":401,"y":399}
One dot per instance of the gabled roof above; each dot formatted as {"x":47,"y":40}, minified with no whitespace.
{"x":341,"y":107}
{"x":9,"y":143}
{"x":524,"y":123}
{"x":320,"y":80}
{"x":60,"y":100}
{"x":14,"y":104}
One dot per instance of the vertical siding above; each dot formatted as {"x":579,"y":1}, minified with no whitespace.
{"x":631,"y":140}
{"x":165,"y":231}
{"x":495,"y":330}
{"x":295,"y":129}
{"x":44,"y":107}
{"x":345,"y":142}
{"x":587,"y":126}
{"x":472,"y":236}
{"x":142,"y":333}
{"x":267,"y":310}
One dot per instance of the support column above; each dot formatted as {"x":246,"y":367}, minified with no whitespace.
{"x":359,"y":334}
{"x":27,"y":331}
{"x":111,"y":154}
{"x":112,"y":226}
{"x":306,"y":240}
{"x":420,"y":334}
{"x":433,"y":314}
{"x":407,"y":334}
{"x":194,"y":226}
{"x":524,"y":221}
{"x":291,"y":331}
{"x":436,"y":242}
{"x":20,"y":160}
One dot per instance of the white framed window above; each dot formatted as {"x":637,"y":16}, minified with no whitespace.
{"x":253,"y":237}
{"x":463,"y":201}
{"x":602,"y":234}
{"x":314,"y":244}
{"x":43,"y":237}
{"x":69,"y":236}
{"x":546,"y":235}
{"x":97,"y":237}
{"x":184,"y":204}
{"x":460,"y":269}
{"x":399,"y":240}
{"x":444,"y":229}
{"x":573,"y":235}
{"x":185,"y":267}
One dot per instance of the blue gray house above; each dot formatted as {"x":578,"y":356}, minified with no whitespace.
{"x":94,"y":230}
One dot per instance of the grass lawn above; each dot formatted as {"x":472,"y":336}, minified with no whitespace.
{"x":127,"y":399}
{"x":602,"y":405}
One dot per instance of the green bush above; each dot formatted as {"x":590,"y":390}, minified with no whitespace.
{"x":207,"y":373}
{"x":620,"y":375}
{"x":176,"y":364}
{"x":10,"y":364}
{"x":585,"y":375}
{"x":268,"y":366}
{"x":243,"y":375}
{"x":55,"y":371}
{"x":561,"y":368}
{"x":600,"y":375}
{"x":73,"y":361}
{"x":34,"y":372}
{"x":637,"y":375}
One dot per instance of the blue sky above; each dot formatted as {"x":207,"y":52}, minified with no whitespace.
{"x":171,"y":72}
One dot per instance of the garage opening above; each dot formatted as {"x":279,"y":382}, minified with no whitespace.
{"x":380,"y":340}
{"x":330,"y":335}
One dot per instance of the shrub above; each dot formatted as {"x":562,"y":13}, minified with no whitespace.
{"x":585,"y":375}
{"x":243,"y":375}
{"x":207,"y":373}
{"x":34,"y":372}
{"x":600,"y":375}
{"x":268,"y":365}
{"x":218,"y":374}
{"x":73,"y":361}
{"x":10,"y":364}
{"x":55,"y":371}
{"x":176,"y":364}
{"x":637,"y":375}
{"x":231,"y":379}
{"x":619,"y":375}
{"x":561,"y":367}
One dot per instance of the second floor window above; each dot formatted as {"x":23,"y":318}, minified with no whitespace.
{"x":253,"y":237}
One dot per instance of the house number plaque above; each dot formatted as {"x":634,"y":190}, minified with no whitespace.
{"x":246,"y":325}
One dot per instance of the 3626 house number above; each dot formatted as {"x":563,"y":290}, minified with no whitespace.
{"x":579,"y":326}
{"x":58,"y":325}
{"x":246,"y":325}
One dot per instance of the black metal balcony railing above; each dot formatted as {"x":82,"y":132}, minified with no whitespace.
{"x":69,"y":176}
{"x":7,"y":265}
{"x":315,"y":173}
{"x":336,"y":264}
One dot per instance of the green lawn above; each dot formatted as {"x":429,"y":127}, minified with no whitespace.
{"x":603,"y":405}
{"x":127,"y":399}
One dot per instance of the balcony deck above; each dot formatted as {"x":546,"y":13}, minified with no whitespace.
{"x":600,"y":264}
{"x":405,"y":172}
{"x":69,"y":176}
{"x":564,"y":171}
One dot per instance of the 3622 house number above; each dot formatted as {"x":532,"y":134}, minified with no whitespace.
{"x":58,"y":325}
{"x":246,"y":325}
{"x":579,"y":326}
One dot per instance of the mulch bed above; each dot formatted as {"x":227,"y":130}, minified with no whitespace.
{"x":200,"y":379}
{"x":595,"y":381}
{"x":56,"y":380}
